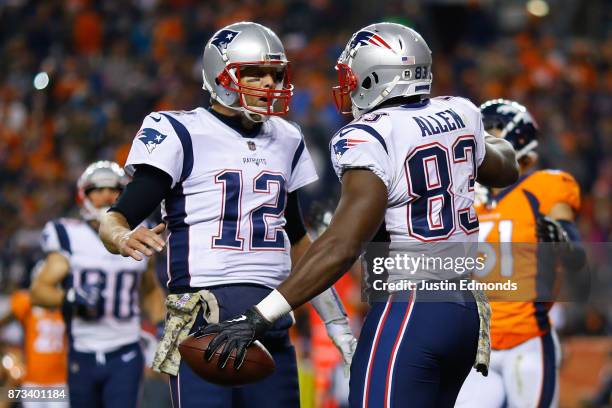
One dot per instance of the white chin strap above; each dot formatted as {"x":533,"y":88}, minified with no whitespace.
{"x":91,"y":213}
{"x":357,"y":112}
{"x":252,"y":116}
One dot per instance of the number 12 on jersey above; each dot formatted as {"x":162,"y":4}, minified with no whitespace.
{"x":229,"y":236}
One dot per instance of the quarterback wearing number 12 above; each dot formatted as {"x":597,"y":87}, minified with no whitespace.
{"x":228,"y":177}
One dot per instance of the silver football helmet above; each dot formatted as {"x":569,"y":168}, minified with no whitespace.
{"x":235,"y":48}
{"x":381,"y":61}
{"x":99,"y":174}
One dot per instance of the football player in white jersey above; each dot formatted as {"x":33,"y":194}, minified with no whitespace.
{"x":228,"y":178}
{"x":100,"y":295}
{"x":409,"y":163}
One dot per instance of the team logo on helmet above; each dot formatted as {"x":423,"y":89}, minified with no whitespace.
{"x":151,"y":138}
{"x":368,"y":38}
{"x":223,"y":38}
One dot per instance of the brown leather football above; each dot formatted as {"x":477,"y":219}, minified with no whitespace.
{"x":258,"y":363}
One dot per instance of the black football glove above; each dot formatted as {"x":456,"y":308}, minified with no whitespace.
{"x":572,"y":254}
{"x":549,"y":230}
{"x":237,"y":334}
{"x":86,"y":301}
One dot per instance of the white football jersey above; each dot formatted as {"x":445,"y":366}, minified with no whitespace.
{"x":427,"y":155}
{"x":225,"y":212}
{"x":90,"y":262}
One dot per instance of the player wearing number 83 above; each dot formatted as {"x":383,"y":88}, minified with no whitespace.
{"x":100,"y":295}
{"x":228,"y":177}
{"x":407,"y":163}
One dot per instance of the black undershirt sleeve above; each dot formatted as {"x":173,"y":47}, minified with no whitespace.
{"x":143,"y":194}
{"x":293,"y":214}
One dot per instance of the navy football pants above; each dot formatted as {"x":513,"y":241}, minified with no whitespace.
{"x":280,"y":390}
{"x":111,"y":380}
{"x":415,"y":354}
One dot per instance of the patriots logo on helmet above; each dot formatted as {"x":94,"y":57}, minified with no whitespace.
{"x":368,"y":38}
{"x":151,"y":138}
{"x":223,"y":39}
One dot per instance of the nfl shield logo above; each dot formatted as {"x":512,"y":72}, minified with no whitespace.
{"x":251,"y":145}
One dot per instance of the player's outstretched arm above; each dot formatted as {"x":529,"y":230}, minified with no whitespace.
{"x":118,"y":238}
{"x":120,"y":228}
{"x":360,"y":213}
{"x":358,"y":216}
{"x":499,"y":167}
{"x":328,"y":304}
{"x":45,"y":290}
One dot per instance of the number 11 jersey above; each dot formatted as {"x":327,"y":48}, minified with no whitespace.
{"x":225,"y":212}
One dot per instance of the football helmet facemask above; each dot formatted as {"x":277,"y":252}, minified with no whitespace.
{"x":234,"y":51}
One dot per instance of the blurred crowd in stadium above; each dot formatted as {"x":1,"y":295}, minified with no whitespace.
{"x":105,"y":65}
{"x":78,"y":76}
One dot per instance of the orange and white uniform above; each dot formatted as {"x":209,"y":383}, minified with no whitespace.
{"x":513,"y":219}
{"x":525,"y":353}
{"x":45,"y":343}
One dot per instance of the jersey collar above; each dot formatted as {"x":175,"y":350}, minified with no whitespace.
{"x":235,"y":122}
{"x":400,"y":101}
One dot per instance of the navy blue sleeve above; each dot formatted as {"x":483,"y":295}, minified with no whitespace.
{"x":143,"y":194}
{"x":295,"y":222}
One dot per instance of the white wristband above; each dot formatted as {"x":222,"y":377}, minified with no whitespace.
{"x":273,"y":306}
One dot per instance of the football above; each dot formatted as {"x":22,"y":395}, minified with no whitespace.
{"x":258,"y":363}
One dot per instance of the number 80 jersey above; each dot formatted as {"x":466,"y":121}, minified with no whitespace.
{"x":225,"y":212}
{"x":427,"y":155}
{"x":118,"y":320}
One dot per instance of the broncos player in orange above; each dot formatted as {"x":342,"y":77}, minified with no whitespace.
{"x":44,"y":344}
{"x":539,"y":207}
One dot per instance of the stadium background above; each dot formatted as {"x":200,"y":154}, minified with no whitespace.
{"x":77,"y":77}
